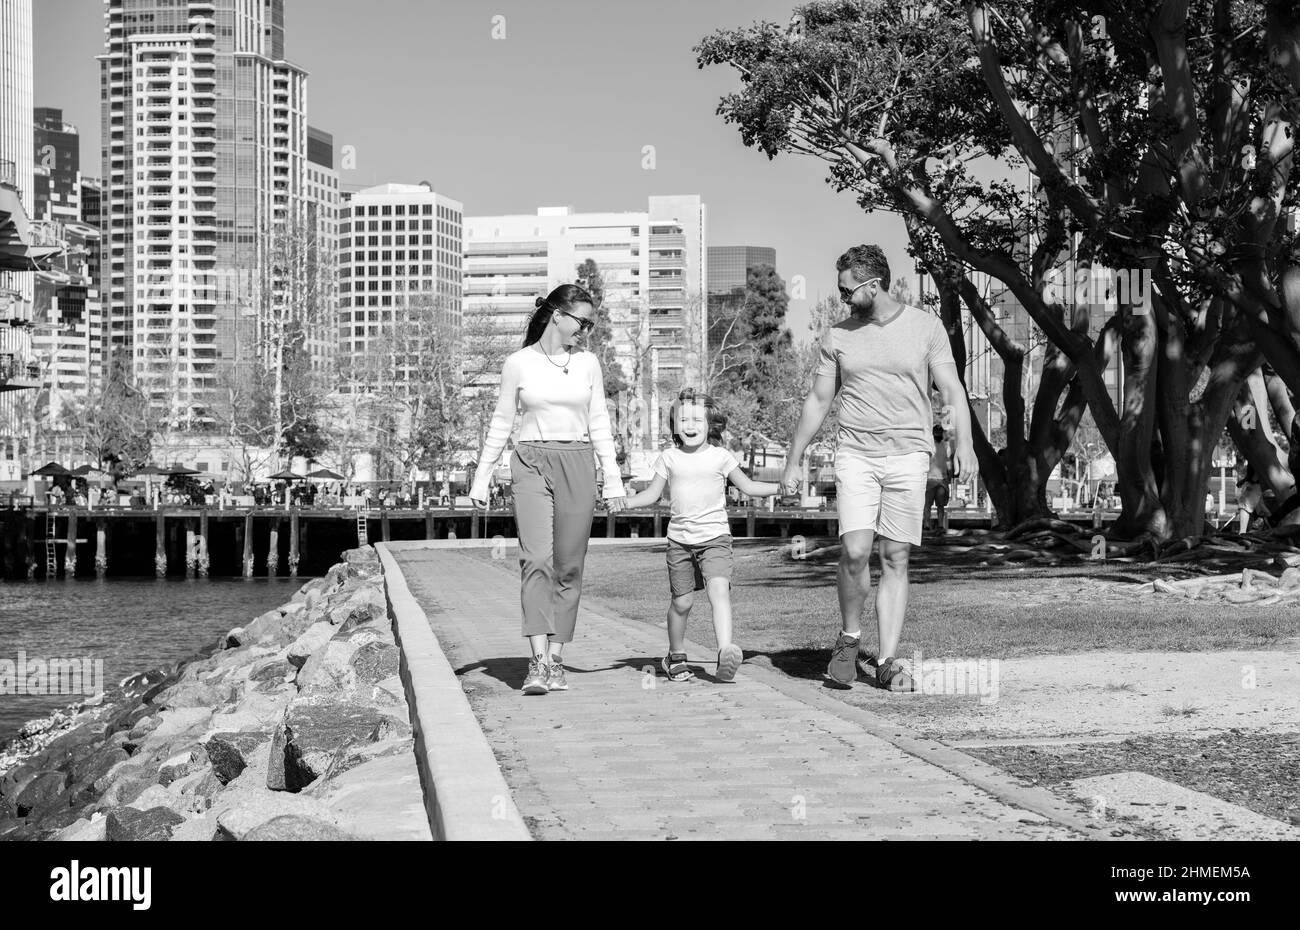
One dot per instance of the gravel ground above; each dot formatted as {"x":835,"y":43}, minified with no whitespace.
{"x":1259,"y":771}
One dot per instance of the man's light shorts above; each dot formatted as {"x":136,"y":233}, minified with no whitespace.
{"x":884,"y":494}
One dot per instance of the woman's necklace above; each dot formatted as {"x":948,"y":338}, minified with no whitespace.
{"x":565,"y":366}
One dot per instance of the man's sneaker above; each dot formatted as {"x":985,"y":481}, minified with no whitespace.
{"x":891,"y":676}
{"x":536,"y":682}
{"x":675,"y":667}
{"x":555,"y":680}
{"x":844,"y":654}
{"x":729,"y":659}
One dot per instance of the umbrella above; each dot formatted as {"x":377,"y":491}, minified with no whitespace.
{"x":324,"y":474}
{"x":51,"y":470}
{"x":85,"y":471}
{"x":152,"y":470}
{"x":287,"y":475}
{"x":179,"y":469}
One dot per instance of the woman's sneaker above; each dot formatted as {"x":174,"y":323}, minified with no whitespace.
{"x":536,"y":681}
{"x":675,"y":667}
{"x":555,"y":680}
{"x":729,"y":659}
{"x":891,"y":676}
{"x":842,"y":668}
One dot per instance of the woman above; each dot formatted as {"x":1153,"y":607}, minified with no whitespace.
{"x":559,"y":391}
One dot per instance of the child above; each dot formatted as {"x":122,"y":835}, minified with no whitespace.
{"x":699,"y":534}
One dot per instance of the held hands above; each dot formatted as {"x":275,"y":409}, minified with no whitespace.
{"x":615,"y":504}
{"x":479,"y":504}
{"x":964,"y":462}
{"x":791,"y":479}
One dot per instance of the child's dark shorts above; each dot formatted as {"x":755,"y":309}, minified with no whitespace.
{"x":689,"y":566}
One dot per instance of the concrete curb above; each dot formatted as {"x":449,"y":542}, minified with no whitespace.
{"x":465,"y":793}
{"x":413,"y":545}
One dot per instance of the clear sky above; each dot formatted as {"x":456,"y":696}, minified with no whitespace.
{"x":557,"y":113}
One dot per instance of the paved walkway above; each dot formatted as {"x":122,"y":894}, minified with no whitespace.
{"x":626,"y":754}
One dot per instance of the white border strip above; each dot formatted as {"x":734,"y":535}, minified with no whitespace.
{"x":465,"y":794}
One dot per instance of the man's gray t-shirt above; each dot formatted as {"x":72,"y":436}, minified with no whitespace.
{"x":883,"y":373}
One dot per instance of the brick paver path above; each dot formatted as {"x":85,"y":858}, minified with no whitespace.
{"x":626,"y":754}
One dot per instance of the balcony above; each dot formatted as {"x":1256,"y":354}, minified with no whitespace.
{"x":18,"y":374}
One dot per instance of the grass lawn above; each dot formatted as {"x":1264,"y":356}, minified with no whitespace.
{"x":788,"y":610}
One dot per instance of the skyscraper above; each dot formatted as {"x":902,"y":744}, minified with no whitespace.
{"x":400,"y":247}
{"x":655,"y":269}
{"x":18,"y":370}
{"x":205,"y":154}
{"x":67,"y":339}
{"x":729,"y":267}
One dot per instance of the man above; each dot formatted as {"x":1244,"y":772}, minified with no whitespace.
{"x":882,"y":361}
{"x":936,"y":483}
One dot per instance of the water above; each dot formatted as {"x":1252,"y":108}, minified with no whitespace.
{"x":130,"y":625}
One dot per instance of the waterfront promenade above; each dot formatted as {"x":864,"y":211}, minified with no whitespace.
{"x":625,"y":754}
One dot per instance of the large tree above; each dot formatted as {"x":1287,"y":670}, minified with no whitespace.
{"x":1136,"y":138}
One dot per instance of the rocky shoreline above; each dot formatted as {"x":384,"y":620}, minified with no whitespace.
{"x":286,"y":728}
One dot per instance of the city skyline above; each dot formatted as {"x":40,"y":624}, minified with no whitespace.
{"x":365,"y":91}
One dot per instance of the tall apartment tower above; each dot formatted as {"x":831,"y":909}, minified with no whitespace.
{"x":399,"y":245}
{"x":68,"y":336}
{"x":19,"y":373}
{"x":204,"y":160}
{"x":655,"y":268}
{"x":324,"y":210}
{"x":729,"y":267}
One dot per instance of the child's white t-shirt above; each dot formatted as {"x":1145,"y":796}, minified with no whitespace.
{"x":697,"y":483}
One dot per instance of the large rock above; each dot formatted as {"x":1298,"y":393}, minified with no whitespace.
{"x":43,"y":793}
{"x":85,"y":777}
{"x":241,"y":812}
{"x":199,"y":829}
{"x":128,"y":824}
{"x":313,"y":736}
{"x":158,"y":796}
{"x":297,"y":827}
{"x":126,"y":787}
{"x":192,"y":695}
{"x":274,"y":669}
{"x":330,"y":669}
{"x":85,"y":830}
{"x":365,"y":605}
{"x":316,"y":636}
{"x":376,"y":661}
{"x":229,"y":752}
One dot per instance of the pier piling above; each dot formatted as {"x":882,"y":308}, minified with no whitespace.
{"x":160,"y":548}
{"x":248,"y":545}
{"x":273,"y":551}
{"x":70,"y":557}
{"x":101,"y":548}
{"x":293,"y":543}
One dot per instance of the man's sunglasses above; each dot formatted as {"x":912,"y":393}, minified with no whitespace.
{"x":584,"y":325}
{"x":846,"y":295}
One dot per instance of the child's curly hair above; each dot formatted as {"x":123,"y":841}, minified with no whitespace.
{"x":717,"y":420}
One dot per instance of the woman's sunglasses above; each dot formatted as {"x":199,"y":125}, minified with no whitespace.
{"x":584,"y":325}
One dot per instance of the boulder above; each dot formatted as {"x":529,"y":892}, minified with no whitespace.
{"x":85,"y":830}
{"x":129,"y":824}
{"x":127,"y":787}
{"x":243,"y":811}
{"x":297,"y":827}
{"x":274,"y":669}
{"x":86,"y":776}
{"x":366,"y":604}
{"x":228,"y":753}
{"x":376,"y":661}
{"x":157,"y":796}
{"x":192,"y":695}
{"x":43,"y":793}
{"x":313,"y":736}
{"x":199,"y":829}
{"x":330,"y":669}
{"x":316,"y":636}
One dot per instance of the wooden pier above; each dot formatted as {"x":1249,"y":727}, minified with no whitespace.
{"x":198,"y":542}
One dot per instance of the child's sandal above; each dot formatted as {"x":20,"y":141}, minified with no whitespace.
{"x":675,"y":667}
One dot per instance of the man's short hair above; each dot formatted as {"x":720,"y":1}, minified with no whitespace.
{"x":867,"y":262}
